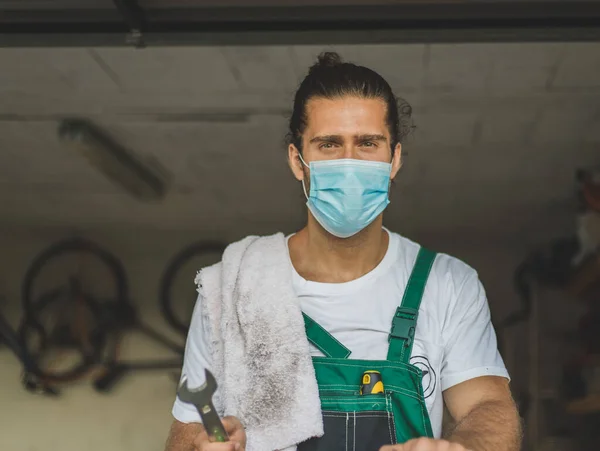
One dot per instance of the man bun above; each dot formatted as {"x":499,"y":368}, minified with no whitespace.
{"x":327,"y":60}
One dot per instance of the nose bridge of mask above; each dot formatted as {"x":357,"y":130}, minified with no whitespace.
{"x":345,"y":161}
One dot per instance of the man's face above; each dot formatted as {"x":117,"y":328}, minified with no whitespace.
{"x":348,"y":127}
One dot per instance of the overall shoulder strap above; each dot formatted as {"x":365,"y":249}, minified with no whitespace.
{"x":323,"y":340}
{"x":404,"y":324}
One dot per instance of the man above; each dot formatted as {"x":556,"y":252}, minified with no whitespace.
{"x":411,"y":326}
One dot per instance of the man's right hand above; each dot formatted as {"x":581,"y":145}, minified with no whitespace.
{"x":235,"y":431}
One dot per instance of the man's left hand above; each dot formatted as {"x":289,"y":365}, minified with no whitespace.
{"x":425,"y":444}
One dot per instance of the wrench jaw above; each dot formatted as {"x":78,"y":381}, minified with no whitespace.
{"x":201,"y":398}
{"x":201,"y":395}
{"x":185,"y":394}
{"x":211,"y":384}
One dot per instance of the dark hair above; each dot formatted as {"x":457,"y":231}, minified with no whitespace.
{"x":331,"y":78}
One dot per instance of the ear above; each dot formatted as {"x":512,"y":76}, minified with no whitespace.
{"x":396,"y":161}
{"x":295,"y":163}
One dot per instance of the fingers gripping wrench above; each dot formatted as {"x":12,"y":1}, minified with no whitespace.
{"x":201,"y":398}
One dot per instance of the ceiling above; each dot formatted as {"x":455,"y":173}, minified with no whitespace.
{"x":501,"y":128}
{"x":92,"y":23}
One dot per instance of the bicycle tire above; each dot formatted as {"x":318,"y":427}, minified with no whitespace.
{"x":72,"y":245}
{"x":168,"y":278}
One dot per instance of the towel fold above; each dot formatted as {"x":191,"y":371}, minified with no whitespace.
{"x":260,"y":353}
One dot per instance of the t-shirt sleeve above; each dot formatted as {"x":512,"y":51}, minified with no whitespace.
{"x":470,"y":345}
{"x":196,"y":360}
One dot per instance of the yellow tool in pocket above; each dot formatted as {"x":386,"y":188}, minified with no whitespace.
{"x":372,"y":383}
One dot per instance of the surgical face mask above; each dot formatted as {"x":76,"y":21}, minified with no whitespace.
{"x":346,"y":195}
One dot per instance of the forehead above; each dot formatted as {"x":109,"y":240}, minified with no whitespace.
{"x":346,"y":115}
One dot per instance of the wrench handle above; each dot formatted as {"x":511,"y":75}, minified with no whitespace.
{"x":217,"y":434}
{"x":212,"y":423}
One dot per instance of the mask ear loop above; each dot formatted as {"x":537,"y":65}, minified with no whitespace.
{"x":303,"y":185}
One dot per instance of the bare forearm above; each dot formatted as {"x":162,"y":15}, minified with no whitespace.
{"x":491,"y":426}
{"x":181,"y":436}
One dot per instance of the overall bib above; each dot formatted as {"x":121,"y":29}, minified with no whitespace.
{"x":366,"y":422}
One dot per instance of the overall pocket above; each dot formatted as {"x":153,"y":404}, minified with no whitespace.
{"x":354,"y":422}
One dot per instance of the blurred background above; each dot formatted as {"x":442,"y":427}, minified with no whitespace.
{"x":138,"y":138}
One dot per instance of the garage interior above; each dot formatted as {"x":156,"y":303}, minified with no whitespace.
{"x":504,"y":120}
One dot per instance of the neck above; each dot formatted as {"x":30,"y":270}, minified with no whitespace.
{"x":321,"y":257}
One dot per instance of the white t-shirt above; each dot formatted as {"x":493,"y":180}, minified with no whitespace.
{"x":454,"y":341}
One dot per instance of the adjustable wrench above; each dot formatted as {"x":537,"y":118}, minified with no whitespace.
{"x":201,"y":398}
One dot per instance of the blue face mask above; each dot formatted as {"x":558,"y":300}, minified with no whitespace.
{"x":346,"y":195}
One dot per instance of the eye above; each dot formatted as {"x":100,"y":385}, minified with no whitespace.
{"x":326,"y":146}
{"x":369,"y":144}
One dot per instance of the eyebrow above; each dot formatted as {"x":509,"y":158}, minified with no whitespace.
{"x":370,"y":138}
{"x":339,"y":138}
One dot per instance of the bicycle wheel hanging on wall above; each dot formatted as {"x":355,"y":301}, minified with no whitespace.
{"x":177,"y":289}
{"x":108,"y":279}
{"x":65,"y":325}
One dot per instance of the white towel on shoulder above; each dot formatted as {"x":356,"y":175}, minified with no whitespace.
{"x":260,"y":352}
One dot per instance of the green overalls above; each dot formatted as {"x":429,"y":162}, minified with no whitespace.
{"x":366,"y":422}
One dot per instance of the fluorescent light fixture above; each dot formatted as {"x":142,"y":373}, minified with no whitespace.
{"x":145,"y":180}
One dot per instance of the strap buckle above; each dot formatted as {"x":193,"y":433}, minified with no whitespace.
{"x":404,"y":325}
